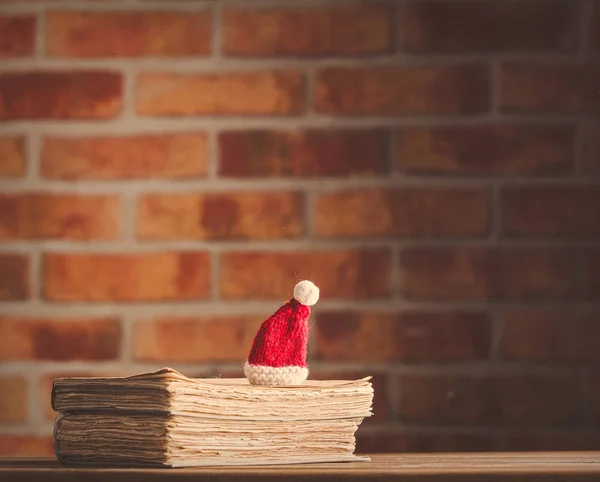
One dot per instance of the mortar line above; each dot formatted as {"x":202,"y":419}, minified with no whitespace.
{"x":35,"y":274}
{"x":127,"y":114}
{"x":118,"y":5}
{"x":123,"y":127}
{"x":396,"y":279}
{"x":213,"y":309}
{"x":397,"y":47}
{"x":33,"y":155}
{"x":310,"y":81}
{"x":126,"y":349}
{"x":322,"y":185}
{"x":36,"y":416}
{"x":309,"y":212}
{"x":288,"y":245}
{"x":209,"y":64}
{"x":40,"y":34}
{"x":394,"y":172}
{"x":495,"y":209}
{"x":60,"y":311}
{"x":495,"y":89}
{"x":213,"y":155}
{"x":216,"y":31}
{"x":128,"y":217}
{"x":497,"y":332}
{"x":215,"y":276}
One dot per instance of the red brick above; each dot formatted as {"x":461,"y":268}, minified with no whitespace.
{"x":478,"y":273}
{"x":493,"y":399}
{"x":553,"y":440}
{"x":26,"y":446}
{"x":557,"y":210}
{"x":334,"y":30}
{"x":127,"y":34}
{"x":372,"y":336}
{"x":496,"y":26}
{"x":590,"y":156}
{"x":517,"y":149}
{"x":60,"y":95}
{"x":444,"y":336}
{"x":145,"y":156}
{"x":87,"y":339}
{"x":344,"y":274}
{"x":260,"y":93}
{"x":409,"y":337}
{"x":594,"y":27}
{"x":203,"y":339}
{"x":421,"y":212}
{"x":14,"y":277}
{"x":17,"y":35}
{"x":156,"y":276}
{"x":389,"y":91}
{"x":12,"y":156}
{"x":380,"y":381}
{"x":550,"y":336}
{"x":13,"y":399}
{"x":220,"y":216}
{"x":591,"y":275}
{"x":411,"y":441}
{"x":311,"y":153}
{"x":550,"y":88}
{"x":62,"y":216}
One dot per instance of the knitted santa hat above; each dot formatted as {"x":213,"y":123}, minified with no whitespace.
{"x":278,"y":355}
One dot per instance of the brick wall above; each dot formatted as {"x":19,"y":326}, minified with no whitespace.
{"x":171,"y":168}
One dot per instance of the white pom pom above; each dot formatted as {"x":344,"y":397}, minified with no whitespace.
{"x":306,"y":293}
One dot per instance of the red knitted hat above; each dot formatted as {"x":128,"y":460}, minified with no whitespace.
{"x":278,"y":354}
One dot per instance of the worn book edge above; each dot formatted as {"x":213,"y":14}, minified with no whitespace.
{"x":170,"y":375}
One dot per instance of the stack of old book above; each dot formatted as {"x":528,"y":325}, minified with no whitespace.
{"x":165,"y":418}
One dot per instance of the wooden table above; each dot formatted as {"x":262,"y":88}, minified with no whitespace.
{"x":476,"y":467}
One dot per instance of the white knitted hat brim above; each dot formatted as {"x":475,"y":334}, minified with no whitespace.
{"x":264,"y":375}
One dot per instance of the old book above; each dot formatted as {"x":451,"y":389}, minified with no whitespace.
{"x":165,"y":418}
